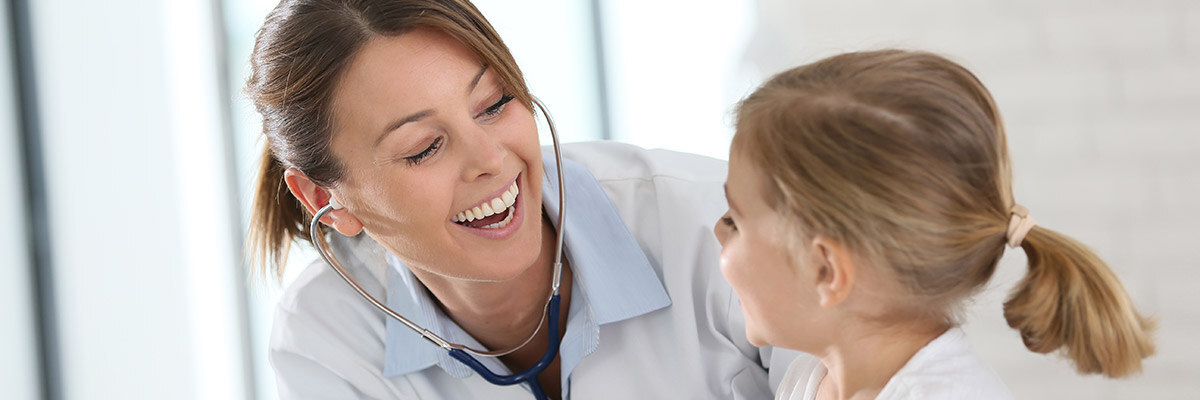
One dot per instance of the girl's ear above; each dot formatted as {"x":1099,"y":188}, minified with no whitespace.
{"x":314,"y":197}
{"x":836,"y":271}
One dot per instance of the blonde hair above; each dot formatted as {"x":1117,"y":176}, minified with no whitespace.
{"x":299,"y":56}
{"x":901,"y":156}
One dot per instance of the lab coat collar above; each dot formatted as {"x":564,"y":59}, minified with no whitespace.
{"x":613,"y":281}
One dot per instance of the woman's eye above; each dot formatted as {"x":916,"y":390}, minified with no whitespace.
{"x":417,"y":158}
{"x":495,"y":109}
{"x":728,"y":221}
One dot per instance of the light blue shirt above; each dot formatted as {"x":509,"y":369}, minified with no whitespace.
{"x":613,"y":281}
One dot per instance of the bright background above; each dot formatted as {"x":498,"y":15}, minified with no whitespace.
{"x":128,"y":150}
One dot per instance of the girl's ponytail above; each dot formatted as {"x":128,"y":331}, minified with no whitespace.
{"x":903,"y":156}
{"x":1071,"y":300}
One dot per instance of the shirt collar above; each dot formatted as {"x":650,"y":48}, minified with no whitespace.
{"x":609,"y":267}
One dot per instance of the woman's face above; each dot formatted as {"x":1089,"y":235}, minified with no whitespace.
{"x":427,"y":135}
{"x":754,"y":258}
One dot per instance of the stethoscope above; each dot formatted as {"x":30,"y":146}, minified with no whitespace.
{"x":457,"y":351}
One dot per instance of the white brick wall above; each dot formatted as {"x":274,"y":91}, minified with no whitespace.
{"x":1102,"y":103}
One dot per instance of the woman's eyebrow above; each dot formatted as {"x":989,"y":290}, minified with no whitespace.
{"x":392,"y":127}
{"x":424,"y":113}
{"x":475,"y":82}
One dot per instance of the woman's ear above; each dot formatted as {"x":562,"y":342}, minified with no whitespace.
{"x":314,"y":197}
{"x":836,"y":271}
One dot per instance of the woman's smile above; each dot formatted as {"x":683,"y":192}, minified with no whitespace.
{"x":496,"y":217}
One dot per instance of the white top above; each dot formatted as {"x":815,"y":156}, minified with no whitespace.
{"x":946,"y":368}
{"x":650,"y":317}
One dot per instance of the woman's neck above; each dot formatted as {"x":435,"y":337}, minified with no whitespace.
{"x":501,"y":315}
{"x":862,"y":361}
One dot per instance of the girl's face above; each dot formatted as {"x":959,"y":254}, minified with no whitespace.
{"x":427,"y":135}
{"x":755,"y":259}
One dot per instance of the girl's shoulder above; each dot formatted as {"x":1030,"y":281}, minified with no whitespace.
{"x":801,"y":379}
{"x":946,"y":368}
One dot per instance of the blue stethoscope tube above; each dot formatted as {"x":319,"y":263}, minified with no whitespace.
{"x":463,"y":353}
{"x":529,"y":375}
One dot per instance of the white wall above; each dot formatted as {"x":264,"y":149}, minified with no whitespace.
{"x":557,"y":56}
{"x":1100,"y":101}
{"x":140,"y":215}
{"x":675,"y":71}
{"x":109,"y":185}
{"x":18,"y":367}
{"x":242,"y":19}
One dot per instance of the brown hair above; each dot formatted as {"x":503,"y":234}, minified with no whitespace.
{"x":300,"y":54}
{"x":901,"y":156}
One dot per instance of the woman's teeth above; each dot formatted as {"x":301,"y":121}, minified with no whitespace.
{"x":502,"y":223}
{"x":491,"y":207}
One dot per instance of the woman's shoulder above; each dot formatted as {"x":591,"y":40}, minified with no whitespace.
{"x":608,"y":161}
{"x":327,"y":341}
{"x":680,"y":190}
{"x":667,"y":199}
{"x":318,"y":283}
{"x":319,"y":307}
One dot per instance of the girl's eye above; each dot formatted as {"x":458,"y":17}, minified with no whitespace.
{"x":495,"y":109}
{"x":417,"y":158}
{"x":728,"y":221}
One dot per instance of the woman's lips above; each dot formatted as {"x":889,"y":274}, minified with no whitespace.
{"x":497,"y":203}
{"x":505,"y":226}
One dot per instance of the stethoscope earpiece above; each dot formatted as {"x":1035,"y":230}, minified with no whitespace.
{"x":333,"y":203}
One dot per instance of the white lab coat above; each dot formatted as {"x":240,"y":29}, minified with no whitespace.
{"x":328,"y":343}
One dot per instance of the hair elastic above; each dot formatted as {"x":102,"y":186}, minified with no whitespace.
{"x":1019,"y":225}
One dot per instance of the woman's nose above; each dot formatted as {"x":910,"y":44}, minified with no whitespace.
{"x":486,"y":153}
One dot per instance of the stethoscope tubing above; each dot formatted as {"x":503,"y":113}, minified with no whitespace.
{"x":527,"y":375}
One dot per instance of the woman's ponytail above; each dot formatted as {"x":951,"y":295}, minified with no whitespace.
{"x":1071,"y":300}
{"x":276,"y":219}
